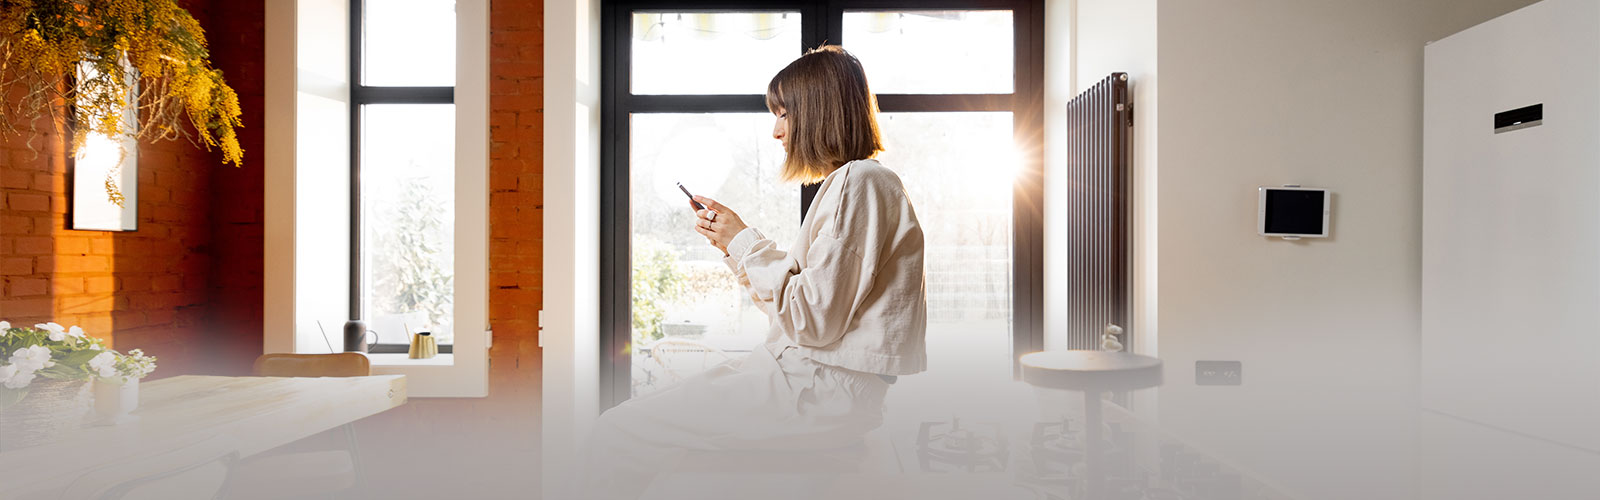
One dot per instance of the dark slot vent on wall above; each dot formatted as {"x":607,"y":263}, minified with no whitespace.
{"x":1100,"y":206}
{"x":1518,"y":119}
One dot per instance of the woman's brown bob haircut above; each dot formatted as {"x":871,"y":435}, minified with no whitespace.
{"x":833,"y":116}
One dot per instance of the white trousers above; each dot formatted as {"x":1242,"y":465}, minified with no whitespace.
{"x":773,"y":399}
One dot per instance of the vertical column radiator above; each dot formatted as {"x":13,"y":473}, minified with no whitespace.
{"x":1100,"y":133}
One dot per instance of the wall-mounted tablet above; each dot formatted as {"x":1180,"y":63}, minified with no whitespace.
{"x":1293,"y":212}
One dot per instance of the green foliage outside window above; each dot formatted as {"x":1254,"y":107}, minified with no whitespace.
{"x":411,"y":269}
{"x":656,"y":283}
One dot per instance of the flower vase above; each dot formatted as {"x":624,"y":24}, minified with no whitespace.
{"x":52,"y":409}
{"x":114,"y":399}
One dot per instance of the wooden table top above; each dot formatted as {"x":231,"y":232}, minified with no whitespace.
{"x":255,"y":413}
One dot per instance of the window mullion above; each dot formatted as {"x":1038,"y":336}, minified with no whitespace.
{"x":752,"y":103}
{"x":362,"y":94}
{"x":354,"y":325}
{"x":946,"y":102}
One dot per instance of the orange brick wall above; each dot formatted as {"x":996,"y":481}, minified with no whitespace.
{"x":234,"y":313}
{"x":516,"y":184}
{"x":144,"y":288}
{"x":152,"y":288}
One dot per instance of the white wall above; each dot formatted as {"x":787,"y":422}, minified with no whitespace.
{"x":306,"y":201}
{"x":1108,"y":36}
{"x":571,"y":332}
{"x":1320,"y":93}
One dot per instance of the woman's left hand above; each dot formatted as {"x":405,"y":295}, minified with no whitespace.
{"x":718,"y":223}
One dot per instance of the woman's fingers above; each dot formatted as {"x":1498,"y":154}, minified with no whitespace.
{"x":711,"y":236}
{"x":711,"y":204}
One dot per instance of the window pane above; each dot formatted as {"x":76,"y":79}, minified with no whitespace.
{"x":688,"y":314}
{"x":933,"y":52}
{"x":958,"y":170}
{"x":408,"y":219}
{"x":409,"y":43}
{"x":706,"y":53}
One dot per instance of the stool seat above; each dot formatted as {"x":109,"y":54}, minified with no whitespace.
{"x":1091,"y":371}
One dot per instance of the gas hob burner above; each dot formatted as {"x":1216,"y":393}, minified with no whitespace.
{"x":1055,"y":449}
{"x":946,"y":446}
{"x":1057,"y":439}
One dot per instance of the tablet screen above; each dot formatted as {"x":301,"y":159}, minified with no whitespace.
{"x":1294,"y":211}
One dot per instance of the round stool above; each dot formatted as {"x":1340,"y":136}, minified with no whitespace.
{"x":1092,"y":373}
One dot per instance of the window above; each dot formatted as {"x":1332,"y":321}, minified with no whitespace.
{"x":344,"y":146}
{"x":403,"y":171}
{"x":959,"y":89}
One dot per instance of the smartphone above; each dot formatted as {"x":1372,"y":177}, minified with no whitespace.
{"x":697,"y":205}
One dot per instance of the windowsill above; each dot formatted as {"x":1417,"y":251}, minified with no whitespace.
{"x":402,"y":359}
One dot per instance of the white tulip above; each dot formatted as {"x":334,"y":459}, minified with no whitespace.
{"x":104,"y":364}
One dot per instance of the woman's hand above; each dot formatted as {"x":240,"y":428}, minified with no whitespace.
{"x":718,"y":223}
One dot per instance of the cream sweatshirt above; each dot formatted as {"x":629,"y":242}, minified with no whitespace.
{"x":851,"y":292}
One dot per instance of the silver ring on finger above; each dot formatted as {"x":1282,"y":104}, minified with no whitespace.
{"x":713,"y":217}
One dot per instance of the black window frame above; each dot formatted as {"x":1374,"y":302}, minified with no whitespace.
{"x":360,"y":95}
{"x":821,"y":21}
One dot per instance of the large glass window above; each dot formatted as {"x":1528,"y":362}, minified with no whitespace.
{"x":408,"y":43}
{"x":688,"y":52}
{"x":933,"y":51}
{"x":403,"y":171}
{"x":687,"y":107}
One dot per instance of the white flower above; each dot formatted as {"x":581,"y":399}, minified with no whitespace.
{"x":75,"y":332}
{"x":6,"y":372}
{"x":104,"y":364}
{"x":30,"y":359}
{"x":57,"y":332}
{"x":4,"y":325}
{"x":20,"y":380}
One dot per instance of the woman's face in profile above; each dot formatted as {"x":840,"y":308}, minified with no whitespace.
{"x":780,"y":128}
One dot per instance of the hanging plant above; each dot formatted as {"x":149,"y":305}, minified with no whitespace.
{"x":93,"y":56}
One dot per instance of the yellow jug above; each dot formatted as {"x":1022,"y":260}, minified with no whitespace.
{"x":423,"y":346}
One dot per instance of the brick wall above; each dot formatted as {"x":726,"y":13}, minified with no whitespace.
{"x":238,"y":37}
{"x":516,"y":206}
{"x":155,"y":288}
{"x":32,"y":170}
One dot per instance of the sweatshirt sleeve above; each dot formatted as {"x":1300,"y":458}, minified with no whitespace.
{"x":815,"y":305}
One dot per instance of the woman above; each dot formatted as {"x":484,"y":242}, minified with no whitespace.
{"x":846,"y":303}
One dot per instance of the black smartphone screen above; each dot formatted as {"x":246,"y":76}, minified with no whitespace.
{"x":697,"y":205}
